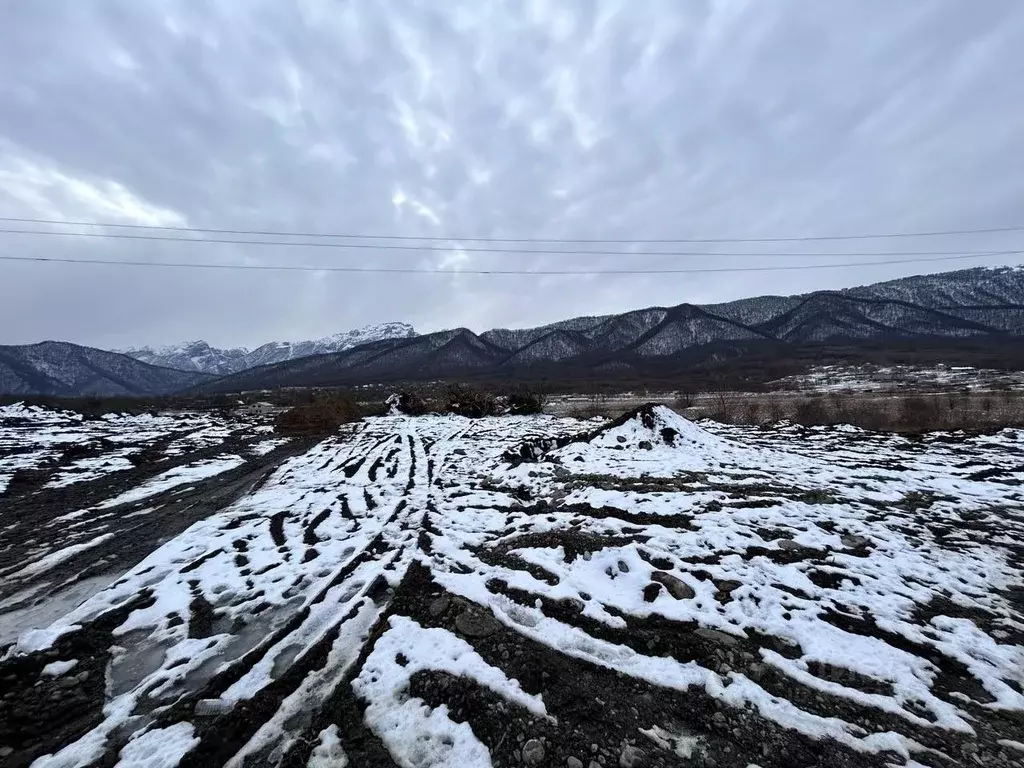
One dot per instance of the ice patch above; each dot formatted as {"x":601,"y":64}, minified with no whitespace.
{"x":159,"y":748}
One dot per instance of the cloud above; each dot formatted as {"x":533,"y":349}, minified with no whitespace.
{"x":506,"y":119}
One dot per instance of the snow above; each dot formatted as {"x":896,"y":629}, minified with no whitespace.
{"x":159,"y":748}
{"x":58,"y":668}
{"x":419,"y":735}
{"x":264,"y":447}
{"x":328,"y":753}
{"x":172,"y":478}
{"x":911,"y":539}
{"x":59,"y":556}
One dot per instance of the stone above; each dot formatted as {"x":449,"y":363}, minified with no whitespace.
{"x":6,"y":751}
{"x":790,"y":545}
{"x":631,"y":757}
{"x":644,"y":445}
{"x":716,"y":636}
{"x":727,"y":585}
{"x":573,"y":604}
{"x":533,"y":752}
{"x":573,"y":762}
{"x":476,"y":623}
{"x":854,"y":541}
{"x":439,"y":606}
{"x":676,"y":587}
{"x":651,"y":592}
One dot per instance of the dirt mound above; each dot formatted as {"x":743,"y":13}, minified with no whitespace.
{"x":645,"y":428}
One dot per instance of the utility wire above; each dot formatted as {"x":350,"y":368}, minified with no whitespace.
{"x":417,"y":270}
{"x":437,"y":249}
{"x":351,"y":236}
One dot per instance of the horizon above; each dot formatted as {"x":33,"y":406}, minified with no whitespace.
{"x":158,"y":348}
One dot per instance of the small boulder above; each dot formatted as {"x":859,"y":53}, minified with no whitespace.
{"x":631,"y":757}
{"x":533,"y":752}
{"x":676,"y":587}
{"x":476,"y":623}
{"x":717,"y":636}
{"x":854,"y":541}
{"x":439,"y":606}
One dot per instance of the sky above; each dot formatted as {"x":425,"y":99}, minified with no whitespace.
{"x":626,"y":120}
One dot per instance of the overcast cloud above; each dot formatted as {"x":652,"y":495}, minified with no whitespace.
{"x":626,"y":119}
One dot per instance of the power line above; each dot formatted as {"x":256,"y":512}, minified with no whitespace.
{"x":418,"y":270}
{"x":436,"y":249}
{"x":435,"y":238}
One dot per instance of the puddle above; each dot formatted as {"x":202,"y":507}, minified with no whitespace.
{"x":48,"y":609}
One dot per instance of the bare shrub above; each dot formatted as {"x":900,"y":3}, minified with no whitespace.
{"x":471,"y":402}
{"x":810,"y":411}
{"x":409,"y":403}
{"x":751,"y":413}
{"x":683,"y":401}
{"x":322,"y":415}
{"x":522,"y":400}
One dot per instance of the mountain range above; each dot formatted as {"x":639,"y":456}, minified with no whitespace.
{"x":972,"y":303}
{"x":60,"y":368}
{"x":980,"y":304}
{"x":200,"y":357}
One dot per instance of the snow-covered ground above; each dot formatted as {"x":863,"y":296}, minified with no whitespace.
{"x":875,"y":378}
{"x":439,"y":591}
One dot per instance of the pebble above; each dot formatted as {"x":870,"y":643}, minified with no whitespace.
{"x":533,"y":752}
{"x":676,"y":587}
{"x":631,"y":757}
{"x":573,"y":762}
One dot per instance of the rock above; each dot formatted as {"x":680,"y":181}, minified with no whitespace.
{"x":621,"y":438}
{"x":573,"y":762}
{"x":6,"y":751}
{"x":651,"y":592}
{"x":439,"y":606}
{"x":854,"y":541}
{"x":644,"y":445}
{"x":717,"y":636}
{"x":574,"y":604}
{"x":790,"y":545}
{"x":476,"y":623}
{"x":623,"y":567}
{"x":727,"y":585}
{"x":631,"y":757}
{"x":676,"y":587}
{"x":533,"y":752}
{"x":594,"y":764}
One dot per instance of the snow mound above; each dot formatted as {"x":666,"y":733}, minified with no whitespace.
{"x":651,"y":426}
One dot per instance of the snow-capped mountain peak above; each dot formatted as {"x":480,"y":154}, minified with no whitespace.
{"x":200,"y":356}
